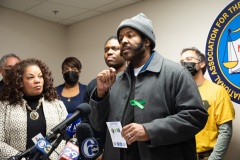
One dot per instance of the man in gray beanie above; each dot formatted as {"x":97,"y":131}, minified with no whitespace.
{"x":142,"y":25}
{"x":155,"y":100}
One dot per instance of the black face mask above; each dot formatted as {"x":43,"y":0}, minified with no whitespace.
{"x":191,"y":67}
{"x":71,"y":77}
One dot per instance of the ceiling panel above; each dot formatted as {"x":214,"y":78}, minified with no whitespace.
{"x":116,"y":5}
{"x":87,"y":4}
{"x":85,"y":15}
{"x":48,"y":8}
{"x":20,"y":5}
{"x":67,"y":11}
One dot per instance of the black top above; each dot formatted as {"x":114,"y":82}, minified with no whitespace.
{"x":1,"y":85}
{"x":100,"y":136}
{"x":37,"y":126}
{"x":90,"y":87}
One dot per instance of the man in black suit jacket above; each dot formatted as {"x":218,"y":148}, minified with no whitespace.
{"x":113,"y":58}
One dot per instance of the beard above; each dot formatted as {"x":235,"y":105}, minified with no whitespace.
{"x":137,"y":52}
{"x":139,"y":47}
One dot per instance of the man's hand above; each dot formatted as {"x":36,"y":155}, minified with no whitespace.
{"x":105,"y":80}
{"x":134,"y":132}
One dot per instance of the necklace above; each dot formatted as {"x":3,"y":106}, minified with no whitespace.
{"x":69,"y":99}
{"x":34,"y":114}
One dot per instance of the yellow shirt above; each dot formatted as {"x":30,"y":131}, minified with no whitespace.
{"x":217,"y":102}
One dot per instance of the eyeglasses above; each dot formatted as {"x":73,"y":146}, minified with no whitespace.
{"x":188,"y":59}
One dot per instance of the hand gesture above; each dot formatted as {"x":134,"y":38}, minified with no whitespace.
{"x":105,"y":80}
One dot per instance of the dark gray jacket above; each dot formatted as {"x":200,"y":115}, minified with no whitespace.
{"x":172,"y":115}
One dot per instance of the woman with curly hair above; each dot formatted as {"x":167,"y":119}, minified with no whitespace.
{"x":29,"y":105}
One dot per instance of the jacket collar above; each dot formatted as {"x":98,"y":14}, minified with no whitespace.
{"x":154,"y":64}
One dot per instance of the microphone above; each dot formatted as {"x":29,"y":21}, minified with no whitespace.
{"x":82,"y":110}
{"x":89,"y":145}
{"x":71,"y":129}
{"x":70,"y":151}
{"x":43,"y":146}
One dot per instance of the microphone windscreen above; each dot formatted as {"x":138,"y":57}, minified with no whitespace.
{"x":88,"y":145}
{"x":84,"y":108}
{"x":83,"y":131}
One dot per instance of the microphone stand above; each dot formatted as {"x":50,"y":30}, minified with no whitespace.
{"x":24,"y":154}
{"x":37,"y":156}
{"x":54,"y":146}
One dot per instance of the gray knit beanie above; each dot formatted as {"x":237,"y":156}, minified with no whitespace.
{"x":142,"y":24}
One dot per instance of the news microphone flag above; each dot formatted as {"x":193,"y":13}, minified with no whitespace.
{"x":71,"y":129}
{"x":70,"y":151}
{"x":43,"y":146}
{"x":90,"y":148}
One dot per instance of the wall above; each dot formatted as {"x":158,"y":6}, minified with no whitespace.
{"x":177,"y":24}
{"x":27,"y":36}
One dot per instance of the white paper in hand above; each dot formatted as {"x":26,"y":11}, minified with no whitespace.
{"x":115,"y":129}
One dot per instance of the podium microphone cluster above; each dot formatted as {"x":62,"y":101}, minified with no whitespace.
{"x":82,"y":110}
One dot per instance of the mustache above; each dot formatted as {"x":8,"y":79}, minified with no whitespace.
{"x":123,"y":48}
{"x":138,"y":47}
{"x":127,"y":46}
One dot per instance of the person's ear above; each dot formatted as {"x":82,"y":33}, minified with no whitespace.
{"x":202,"y":64}
{"x":147,"y":42}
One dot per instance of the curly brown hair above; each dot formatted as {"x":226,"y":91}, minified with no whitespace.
{"x":13,"y":88}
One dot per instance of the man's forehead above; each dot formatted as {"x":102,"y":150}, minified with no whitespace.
{"x":112,"y":42}
{"x":189,"y":53}
{"x":11,"y":61}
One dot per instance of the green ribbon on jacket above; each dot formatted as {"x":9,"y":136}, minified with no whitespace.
{"x":137,"y":103}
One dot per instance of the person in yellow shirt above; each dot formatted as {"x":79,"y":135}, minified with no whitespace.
{"x":212,"y":142}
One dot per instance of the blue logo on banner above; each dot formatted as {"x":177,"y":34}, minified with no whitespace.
{"x":223,"y":50}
